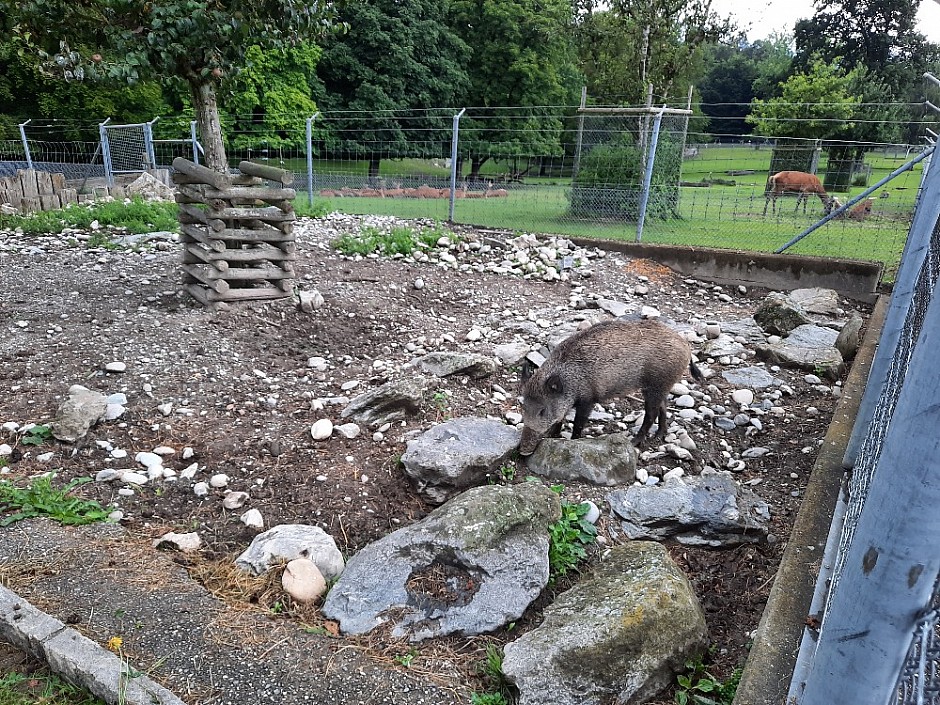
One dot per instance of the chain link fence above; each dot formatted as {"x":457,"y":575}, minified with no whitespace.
{"x":557,"y":170}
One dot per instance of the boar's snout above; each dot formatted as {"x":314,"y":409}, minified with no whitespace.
{"x":529,"y":442}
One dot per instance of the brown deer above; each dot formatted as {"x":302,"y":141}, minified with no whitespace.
{"x":797,"y":182}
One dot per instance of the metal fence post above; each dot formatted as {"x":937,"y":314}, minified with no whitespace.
{"x":579,"y":143}
{"x":148,"y":142}
{"x":648,"y":176}
{"x":892,"y":566}
{"x":453,"y":165}
{"x":310,"y":157}
{"x":106,"y":151}
{"x":194,"y":137}
{"x":29,"y":159}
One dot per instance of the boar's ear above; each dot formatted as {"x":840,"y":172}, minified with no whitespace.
{"x":553,"y":383}
{"x":527,"y":370}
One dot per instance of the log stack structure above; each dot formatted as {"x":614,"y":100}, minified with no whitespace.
{"x":237,"y":232}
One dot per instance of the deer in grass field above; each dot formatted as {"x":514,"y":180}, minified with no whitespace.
{"x":797,"y":182}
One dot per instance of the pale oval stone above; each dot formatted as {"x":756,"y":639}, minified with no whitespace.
{"x":235,"y":500}
{"x":593,"y":513}
{"x":135,"y":478}
{"x":5,"y":449}
{"x":201,"y":489}
{"x":187,"y":543}
{"x":253,"y":519}
{"x":149,"y":460}
{"x":474,"y":335}
{"x":743,"y":396}
{"x":302,"y":580}
{"x":107,"y":475}
{"x":115,"y":367}
{"x":349,"y":430}
{"x":321,"y":430}
{"x":189,"y":472}
{"x":164,"y":450}
{"x":219,"y":480}
{"x":118,"y":453}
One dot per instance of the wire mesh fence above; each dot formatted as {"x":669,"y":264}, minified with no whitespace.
{"x":556,"y":170}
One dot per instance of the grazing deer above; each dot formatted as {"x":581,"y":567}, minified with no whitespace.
{"x":797,"y":182}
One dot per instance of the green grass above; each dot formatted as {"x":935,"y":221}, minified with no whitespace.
{"x":22,"y":686}
{"x":138,"y":216}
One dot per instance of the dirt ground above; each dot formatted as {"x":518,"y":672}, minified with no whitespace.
{"x":244,"y":397}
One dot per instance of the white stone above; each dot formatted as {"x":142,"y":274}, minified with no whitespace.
{"x":349,"y":430}
{"x":743,"y":396}
{"x":189,"y":472}
{"x":321,"y":430}
{"x":201,"y":489}
{"x":235,"y":500}
{"x":351,"y":384}
{"x":115,"y":367}
{"x":118,"y":453}
{"x":649,"y":312}
{"x":164,"y":450}
{"x":149,"y":460}
{"x":303,"y":581}
{"x":187,"y":543}
{"x":5,"y":449}
{"x":166,"y":409}
{"x":219,"y":480}
{"x":685,"y":402}
{"x":593,"y":513}
{"x":642,"y":475}
{"x":107,"y":475}
{"x":678,"y":389}
{"x":474,"y":335}
{"x":318,"y":363}
{"x":674,"y":474}
{"x":253,"y":519}
{"x":135,"y":478}
{"x":419,"y":283}
{"x":188,"y":453}
{"x":10,"y":427}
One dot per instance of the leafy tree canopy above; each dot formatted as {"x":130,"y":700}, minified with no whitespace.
{"x":198,"y":41}
{"x":816,"y":104}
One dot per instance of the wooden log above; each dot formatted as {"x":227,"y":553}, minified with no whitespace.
{"x":235,"y":179}
{"x":204,"y":196}
{"x":205,"y":297}
{"x":257,"y":253}
{"x":50,"y":201}
{"x":195,"y":232}
{"x":249,"y":236}
{"x":251,"y":273}
{"x":191,"y":214}
{"x":271,"y":173}
{"x":44,"y":183}
{"x":205,"y":276}
{"x":194,"y":254}
{"x":205,"y":174}
{"x":255,"y":293}
{"x":28,"y":185}
{"x":286,"y":285}
{"x":261,"y":193}
{"x":268,"y":214}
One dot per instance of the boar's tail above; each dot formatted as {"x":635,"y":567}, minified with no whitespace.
{"x":695,"y":371}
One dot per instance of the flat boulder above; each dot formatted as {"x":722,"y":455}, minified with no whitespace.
{"x":444,"y":364}
{"x":622,"y":632}
{"x":709,"y":510}
{"x":750,"y":377}
{"x":808,"y":347}
{"x":817,"y":300}
{"x":606,"y":461}
{"x":79,"y":412}
{"x":287,"y":542}
{"x":778,"y":314}
{"x":458,"y":454}
{"x":471,"y":566}
{"x":392,"y":401}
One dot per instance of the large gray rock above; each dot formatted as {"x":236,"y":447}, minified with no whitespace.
{"x":444,"y":364}
{"x":710,"y":510}
{"x":751,"y":377}
{"x":511,"y":353}
{"x":470,"y":566}
{"x":287,"y":542}
{"x":392,"y":401}
{"x":623,"y":632}
{"x":808,"y":347}
{"x":721,"y":346}
{"x":458,"y":454}
{"x":778,"y":314}
{"x":848,"y":340}
{"x":608,"y":460}
{"x":746,"y":328}
{"x":817,"y":300}
{"x":82,"y":409}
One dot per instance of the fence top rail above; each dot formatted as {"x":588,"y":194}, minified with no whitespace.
{"x":636,"y":111}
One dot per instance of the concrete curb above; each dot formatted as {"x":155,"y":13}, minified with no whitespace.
{"x":76,"y":658}
{"x":770,"y":664}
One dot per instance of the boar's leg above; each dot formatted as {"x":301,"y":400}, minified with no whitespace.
{"x":555,"y":430}
{"x":653,"y":406}
{"x":582,"y":410}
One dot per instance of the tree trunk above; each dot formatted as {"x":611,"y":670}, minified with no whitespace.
{"x":476,"y":163}
{"x":210,"y":128}
{"x":374,"y":169}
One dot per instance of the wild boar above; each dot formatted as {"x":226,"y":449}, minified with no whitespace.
{"x":606,"y":360}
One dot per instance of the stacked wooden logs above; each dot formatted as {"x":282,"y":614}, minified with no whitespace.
{"x":237,"y":232}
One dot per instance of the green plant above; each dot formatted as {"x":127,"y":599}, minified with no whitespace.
{"x":406,"y":659}
{"x":499,"y":690}
{"x":42,"y":499}
{"x":507,"y":472}
{"x":102,"y":240}
{"x":568,"y":537}
{"x":41,"y":686}
{"x":278,"y":608}
{"x":36,"y":435}
{"x":700,"y":687}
